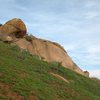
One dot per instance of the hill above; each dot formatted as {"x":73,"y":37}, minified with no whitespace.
{"x":26,"y":77}
{"x":15,"y":31}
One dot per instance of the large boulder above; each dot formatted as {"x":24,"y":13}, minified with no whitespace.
{"x":14,"y":28}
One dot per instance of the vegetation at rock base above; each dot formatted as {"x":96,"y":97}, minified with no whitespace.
{"x":26,"y":77}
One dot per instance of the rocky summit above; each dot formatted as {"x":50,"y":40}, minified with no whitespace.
{"x":14,"y":31}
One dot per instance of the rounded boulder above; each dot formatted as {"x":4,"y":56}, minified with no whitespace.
{"x":14,"y":28}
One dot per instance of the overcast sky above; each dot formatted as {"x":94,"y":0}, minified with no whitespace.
{"x":75,"y":24}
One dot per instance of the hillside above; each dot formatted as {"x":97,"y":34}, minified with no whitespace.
{"x":15,"y":31}
{"x":26,"y":77}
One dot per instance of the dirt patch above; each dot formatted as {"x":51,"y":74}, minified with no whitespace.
{"x":60,"y":77}
{"x":22,"y":74}
{"x":32,"y":97}
{"x":5,"y":91}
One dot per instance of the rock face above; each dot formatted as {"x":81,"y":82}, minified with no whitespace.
{"x":15,"y":31}
{"x":49,"y":51}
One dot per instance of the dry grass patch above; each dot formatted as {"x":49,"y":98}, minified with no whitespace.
{"x":60,"y":77}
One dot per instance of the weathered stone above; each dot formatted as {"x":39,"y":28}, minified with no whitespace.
{"x":13,"y":29}
{"x":5,"y":38}
{"x":49,"y":51}
{"x":19,"y":25}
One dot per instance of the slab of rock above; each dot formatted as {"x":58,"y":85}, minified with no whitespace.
{"x":49,"y":51}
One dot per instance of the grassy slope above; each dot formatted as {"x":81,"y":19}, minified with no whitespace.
{"x":25,"y":77}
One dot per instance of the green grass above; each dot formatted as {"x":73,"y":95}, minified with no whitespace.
{"x":27,"y":76}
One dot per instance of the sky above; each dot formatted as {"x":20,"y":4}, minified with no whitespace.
{"x":75,"y":24}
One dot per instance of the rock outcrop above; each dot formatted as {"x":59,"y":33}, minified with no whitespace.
{"x":15,"y":31}
{"x":49,"y":51}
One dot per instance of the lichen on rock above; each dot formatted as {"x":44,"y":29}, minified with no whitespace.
{"x":13,"y":29}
